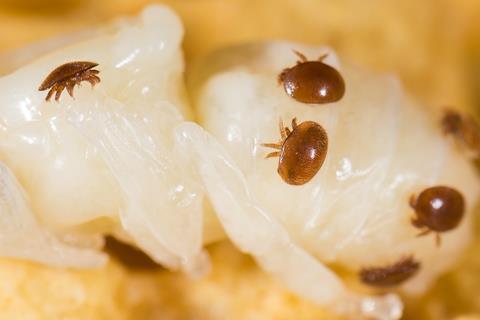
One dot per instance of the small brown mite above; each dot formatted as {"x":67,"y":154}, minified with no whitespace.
{"x":67,"y":76}
{"x":312,"y":82}
{"x":463,"y":128}
{"x":437,"y":209}
{"x":302,"y":151}
{"x":390,"y":275}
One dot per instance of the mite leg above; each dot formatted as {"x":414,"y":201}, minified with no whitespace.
{"x":92,"y":81}
{"x":294,"y":123}
{"x":273,"y":154}
{"x":323,"y":57}
{"x":96,"y":78}
{"x":50,"y":93}
{"x":416,"y":223}
{"x":464,"y":129}
{"x":281,"y":127}
{"x":272,"y":145}
{"x":90,"y":76}
{"x":424,"y":233}
{"x":59,"y":91}
{"x":300,"y":55}
{"x":438,"y":239}
{"x":281,"y":76}
{"x":413,"y":201}
{"x":70,"y":86}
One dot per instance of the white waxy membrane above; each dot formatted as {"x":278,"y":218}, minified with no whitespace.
{"x":104,"y":162}
{"x":355,"y":213}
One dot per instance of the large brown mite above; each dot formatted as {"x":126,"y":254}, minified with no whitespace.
{"x":67,"y":76}
{"x":312,"y":82}
{"x":437,"y":209}
{"x":463,"y":128}
{"x":302,"y":151}
{"x":390,"y":275}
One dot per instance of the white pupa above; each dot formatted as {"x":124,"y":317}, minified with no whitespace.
{"x":102,"y":162}
{"x":383,"y":148}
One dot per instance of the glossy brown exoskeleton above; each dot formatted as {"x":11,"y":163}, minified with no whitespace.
{"x":302,"y":151}
{"x":67,"y":76}
{"x":312,"y":82}
{"x":390,"y":275}
{"x":437,"y":209}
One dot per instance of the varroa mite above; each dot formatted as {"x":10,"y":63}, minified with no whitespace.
{"x":302,"y":151}
{"x":437,"y":209}
{"x":390,"y":275}
{"x":463,"y":128}
{"x":67,"y":76}
{"x":312,"y":82}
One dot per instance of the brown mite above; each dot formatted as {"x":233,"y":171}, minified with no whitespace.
{"x":437,"y":209}
{"x":390,"y":275}
{"x":67,"y":76}
{"x":312,"y":82}
{"x":302,"y":151}
{"x":463,"y":128}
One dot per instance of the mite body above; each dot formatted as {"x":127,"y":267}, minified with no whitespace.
{"x":302,"y":151}
{"x":437,"y":209}
{"x":390,"y":275}
{"x":67,"y":76}
{"x":312,"y":82}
